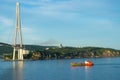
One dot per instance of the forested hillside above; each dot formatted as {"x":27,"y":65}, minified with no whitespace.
{"x":53,"y":52}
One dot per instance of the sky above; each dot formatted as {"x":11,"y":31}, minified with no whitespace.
{"x":77,"y":23}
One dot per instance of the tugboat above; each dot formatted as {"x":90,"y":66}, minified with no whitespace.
{"x":86,"y":63}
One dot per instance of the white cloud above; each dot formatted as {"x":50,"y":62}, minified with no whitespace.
{"x":27,"y":30}
{"x":68,"y":9}
{"x":34,"y":3}
{"x":6,"y":22}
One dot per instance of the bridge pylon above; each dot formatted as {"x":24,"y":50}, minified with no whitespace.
{"x":18,"y":35}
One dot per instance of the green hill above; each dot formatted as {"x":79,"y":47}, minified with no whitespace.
{"x":53,"y":52}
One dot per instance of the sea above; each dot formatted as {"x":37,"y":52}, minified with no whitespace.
{"x":103,"y":69}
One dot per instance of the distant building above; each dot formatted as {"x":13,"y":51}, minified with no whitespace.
{"x":60,"y":46}
{"x":46,"y":48}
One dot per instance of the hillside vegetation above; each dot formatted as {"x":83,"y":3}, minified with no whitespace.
{"x":52,"y":52}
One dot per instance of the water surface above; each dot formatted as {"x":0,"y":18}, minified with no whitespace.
{"x":104,"y":69}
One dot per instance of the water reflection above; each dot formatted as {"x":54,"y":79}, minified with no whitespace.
{"x":18,"y":70}
{"x":87,"y":72}
{"x":88,"y":67}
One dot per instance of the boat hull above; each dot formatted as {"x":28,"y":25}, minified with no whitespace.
{"x":77,"y":64}
{"x":86,"y":63}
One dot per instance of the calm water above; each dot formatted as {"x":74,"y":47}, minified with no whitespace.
{"x":104,"y":69}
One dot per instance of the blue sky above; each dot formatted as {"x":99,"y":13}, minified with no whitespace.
{"x":75,"y":23}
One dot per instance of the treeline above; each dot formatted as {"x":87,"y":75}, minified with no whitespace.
{"x":6,"y":50}
{"x":53,"y":52}
{"x":71,"y":52}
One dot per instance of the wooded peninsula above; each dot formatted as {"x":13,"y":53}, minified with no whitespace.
{"x":53,"y":52}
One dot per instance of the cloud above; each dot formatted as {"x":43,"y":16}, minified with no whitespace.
{"x":34,"y":3}
{"x":67,"y":9}
{"x":27,"y":30}
{"x":6,"y":22}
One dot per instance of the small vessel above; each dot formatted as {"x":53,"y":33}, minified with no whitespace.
{"x":86,"y":63}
